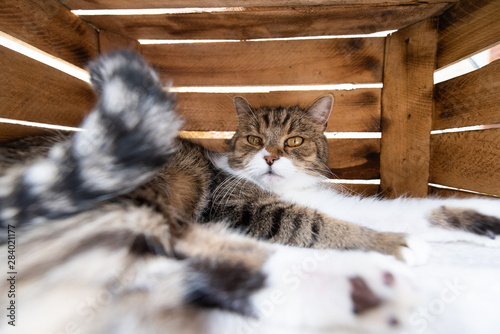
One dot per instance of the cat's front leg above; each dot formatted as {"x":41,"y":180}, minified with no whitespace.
{"x":345,"y":235}
{"x":271,"y":219}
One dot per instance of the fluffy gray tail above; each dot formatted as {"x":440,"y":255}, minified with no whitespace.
{"x":124,"y":141}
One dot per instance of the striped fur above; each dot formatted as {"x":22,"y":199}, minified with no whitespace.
{"x":138,"y":219}
{"x":105,"y":240}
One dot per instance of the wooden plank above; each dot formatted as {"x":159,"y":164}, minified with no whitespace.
{"x":353,"y":111}
{"x":126,"y":4}
{"x":51,"y":27}
{"x":470,"y":99}
{"x":354,"y":158}
{"x":348,"y":158}
{"x":467,"y":160}
{"x":328,"y":61}
{"x":109,"y":41}
{"x":218,"y":145}
{"x":407,"y":109}
{"x":469,"y":27}
{"x":447,"y":193}
{"x":363,"y":190}
{"x":268,"y":22}
{"x":32,"y":91}
{"x":14,"y":131}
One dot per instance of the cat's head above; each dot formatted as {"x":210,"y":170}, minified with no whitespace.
{"x":281,"y":147}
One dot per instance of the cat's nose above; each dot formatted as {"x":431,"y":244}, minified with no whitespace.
{"x":270,"y":159}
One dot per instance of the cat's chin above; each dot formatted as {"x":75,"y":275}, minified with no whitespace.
{"x":277,"y":183}
{"x":271,"y":181}
{"x":272,"y":177}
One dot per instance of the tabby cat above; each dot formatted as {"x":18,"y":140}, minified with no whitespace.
{"x":124,"y":227}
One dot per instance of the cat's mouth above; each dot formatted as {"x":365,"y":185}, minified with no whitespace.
{"x":271,"y":174}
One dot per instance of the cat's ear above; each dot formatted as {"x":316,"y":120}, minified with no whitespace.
{"x":242,"y":106}
{"x":320,"y":109}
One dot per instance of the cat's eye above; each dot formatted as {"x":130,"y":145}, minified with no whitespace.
{"x":255,"y":141}
{"x":294,"y":141}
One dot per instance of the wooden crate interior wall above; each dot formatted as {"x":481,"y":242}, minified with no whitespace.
{"x":405,"y":110}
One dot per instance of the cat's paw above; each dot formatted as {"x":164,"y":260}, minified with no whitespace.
{"x":131,"y":132}
{"x":134,"y":120}
{"x":470,"y":220}
{"x":409,"y":249}
{"x":332,"y":290}
{"x":125,"y":66}
{"x":485,"y":225}
{"x":480,"y":225}
{"x":131,"y":92}
{"x":416,"y":251}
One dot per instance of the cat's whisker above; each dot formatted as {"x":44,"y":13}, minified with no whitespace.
{"x":230,"y":191}
{"x":241,"y":188}
{"x":218,"y":191}
{"x":339,"y":187}
{"x":219,"y":188}
{"x":324,"y":168}
{"x":328,"y":171}
{"x":246,"y":109}
{"x":228,"y":185}
{"x":317,"y":172}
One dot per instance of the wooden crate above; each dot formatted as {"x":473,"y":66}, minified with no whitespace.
{"x":284,"y":50}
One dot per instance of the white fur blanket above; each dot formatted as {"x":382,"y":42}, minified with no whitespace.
{"x":460,"y":291}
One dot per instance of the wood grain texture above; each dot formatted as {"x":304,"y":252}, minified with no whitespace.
{"x":353,"y":111}
{"x":113,"y":4}
{"x":470,"y":99}
{"x":51,"y":27}
{"x":354,"y":158}
{"x":469,"y":27}
{"x":32,"y":91}
{"x":329,"y":61}
{"x":447,"y":193}
{"x":109,"y":41}
{"x":268,"y":22}
{"x":407,"y":110}
{"x":467,"y":160}
{"x":363,"y":190}
{"x":15,"y":131}
{"x":348,"y":158}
